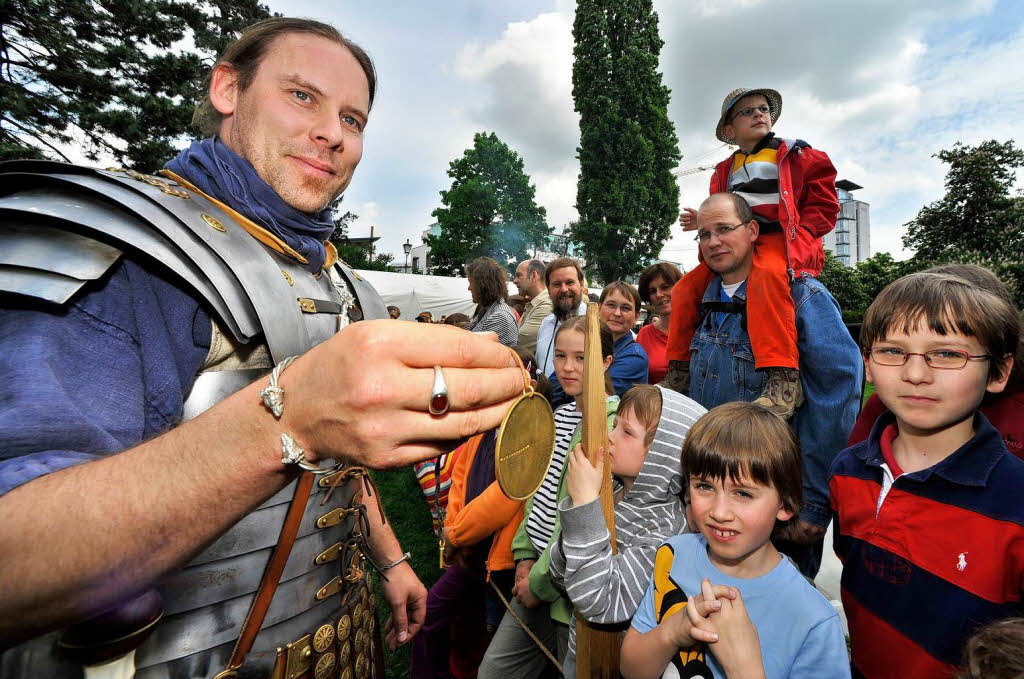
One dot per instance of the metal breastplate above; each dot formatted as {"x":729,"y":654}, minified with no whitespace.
{"x":323,"y":613}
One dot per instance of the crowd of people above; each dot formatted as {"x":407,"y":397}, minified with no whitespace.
{"x":736,"y":435}
{"x":188,"y":427}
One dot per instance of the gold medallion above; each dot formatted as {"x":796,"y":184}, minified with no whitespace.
{"x":346,"y":651}
{"x":362,"y":666}
{"x":324,"y":666}
{"x":323,"y":638}
{"x":344,"y":626}
{"x":525,"y":444}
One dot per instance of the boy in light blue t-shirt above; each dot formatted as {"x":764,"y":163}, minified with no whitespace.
{"x":724,"y":602}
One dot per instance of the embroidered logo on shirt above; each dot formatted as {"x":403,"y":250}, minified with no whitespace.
{"x":961,"y":562}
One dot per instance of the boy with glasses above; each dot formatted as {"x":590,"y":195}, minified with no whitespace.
{"x":791,"y":188}
{"x":929,"y":523}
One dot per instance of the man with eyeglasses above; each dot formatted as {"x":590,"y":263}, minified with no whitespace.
{"x":722,"y":362}
{"x":791,"y":189}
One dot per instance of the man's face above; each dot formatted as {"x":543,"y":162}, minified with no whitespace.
{"x":746,"y":131}
{"x":394,"y":312}
{"x":565,"y":290}
{"x":526,"y":283}
{"x":727,"y":251}
{"x":300,"y":123}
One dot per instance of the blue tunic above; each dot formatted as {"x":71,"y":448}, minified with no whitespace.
{"x":96,"y":376}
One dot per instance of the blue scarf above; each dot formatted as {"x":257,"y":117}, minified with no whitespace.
{"x":220,"y":172}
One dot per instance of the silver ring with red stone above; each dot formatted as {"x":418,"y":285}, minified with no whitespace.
{"x":438,"y":393}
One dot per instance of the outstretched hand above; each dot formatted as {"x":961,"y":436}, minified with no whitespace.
{"x":363,"y":395}
{"x":584,"y":479}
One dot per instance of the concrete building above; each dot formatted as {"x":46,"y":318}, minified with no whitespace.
{"x":850,"y":242}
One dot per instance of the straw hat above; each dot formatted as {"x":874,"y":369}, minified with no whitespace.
{"x":774,"y":103}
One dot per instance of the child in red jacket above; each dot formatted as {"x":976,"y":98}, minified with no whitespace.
{"x":792,"y":191}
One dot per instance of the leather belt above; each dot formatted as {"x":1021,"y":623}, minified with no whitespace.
{"x":271,"y":577}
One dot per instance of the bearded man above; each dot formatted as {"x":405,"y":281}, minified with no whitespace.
{"x":566,"y":287}
{"x":156,"y":487}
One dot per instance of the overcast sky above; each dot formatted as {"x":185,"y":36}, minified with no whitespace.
{"x":880,"y":85}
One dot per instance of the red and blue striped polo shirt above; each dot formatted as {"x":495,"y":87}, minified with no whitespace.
{"x":928,"y":562}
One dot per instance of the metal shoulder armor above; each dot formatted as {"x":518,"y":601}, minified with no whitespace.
{"x":62,"y":226}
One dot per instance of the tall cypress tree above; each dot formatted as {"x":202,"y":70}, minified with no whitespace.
{"x":626,"y":195}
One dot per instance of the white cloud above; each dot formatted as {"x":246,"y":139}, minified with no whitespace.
{"x":523,"y":92}
{"x":861,"y":84}
{"x":880,"y":85}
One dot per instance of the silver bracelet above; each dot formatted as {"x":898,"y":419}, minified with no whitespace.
{"x":389,"y":566}
{"x":291,"y":452}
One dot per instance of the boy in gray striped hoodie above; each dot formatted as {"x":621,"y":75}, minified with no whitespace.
{"x":644,"y":446}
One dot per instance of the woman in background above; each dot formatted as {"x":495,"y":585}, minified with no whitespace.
{"x":655,"y":285}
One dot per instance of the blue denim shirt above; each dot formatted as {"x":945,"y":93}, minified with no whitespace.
{"x":831,"y":370}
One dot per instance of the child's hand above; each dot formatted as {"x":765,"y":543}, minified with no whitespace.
{"x":688,"y":218}
{"x":738,"y":648}
{"x":584,"y":480}
{"x":521,"y":588}
{"x":697,"y":625}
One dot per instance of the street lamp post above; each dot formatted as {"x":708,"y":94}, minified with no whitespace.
{"x":407,"y":246}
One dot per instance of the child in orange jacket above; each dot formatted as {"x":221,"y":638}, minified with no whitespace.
{"x":791,"y":189}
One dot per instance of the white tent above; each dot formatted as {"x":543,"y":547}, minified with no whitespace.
{"x":415,"y":293}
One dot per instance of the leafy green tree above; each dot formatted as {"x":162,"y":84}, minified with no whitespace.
{"x":626,"y":194}
{"x":489,"y":211}
{"x":878,"y":271}
{"x":978,"y":212}
{"x":978,"y":221}
{"x":355,"y":256}
{"x":845,"y":285}
{"x":121,"y":78}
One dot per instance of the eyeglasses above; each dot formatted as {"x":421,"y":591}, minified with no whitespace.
{"x":612,"y":307}
{"x":749,"y":111}
{"x":720,"y":231}
{"x":941,"y":359}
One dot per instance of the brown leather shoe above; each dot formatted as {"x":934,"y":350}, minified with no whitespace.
{"x":678,"y":377}
{"x":783,"y":393}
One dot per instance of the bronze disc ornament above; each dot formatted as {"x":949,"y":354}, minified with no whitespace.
{"x":524,"y":446}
